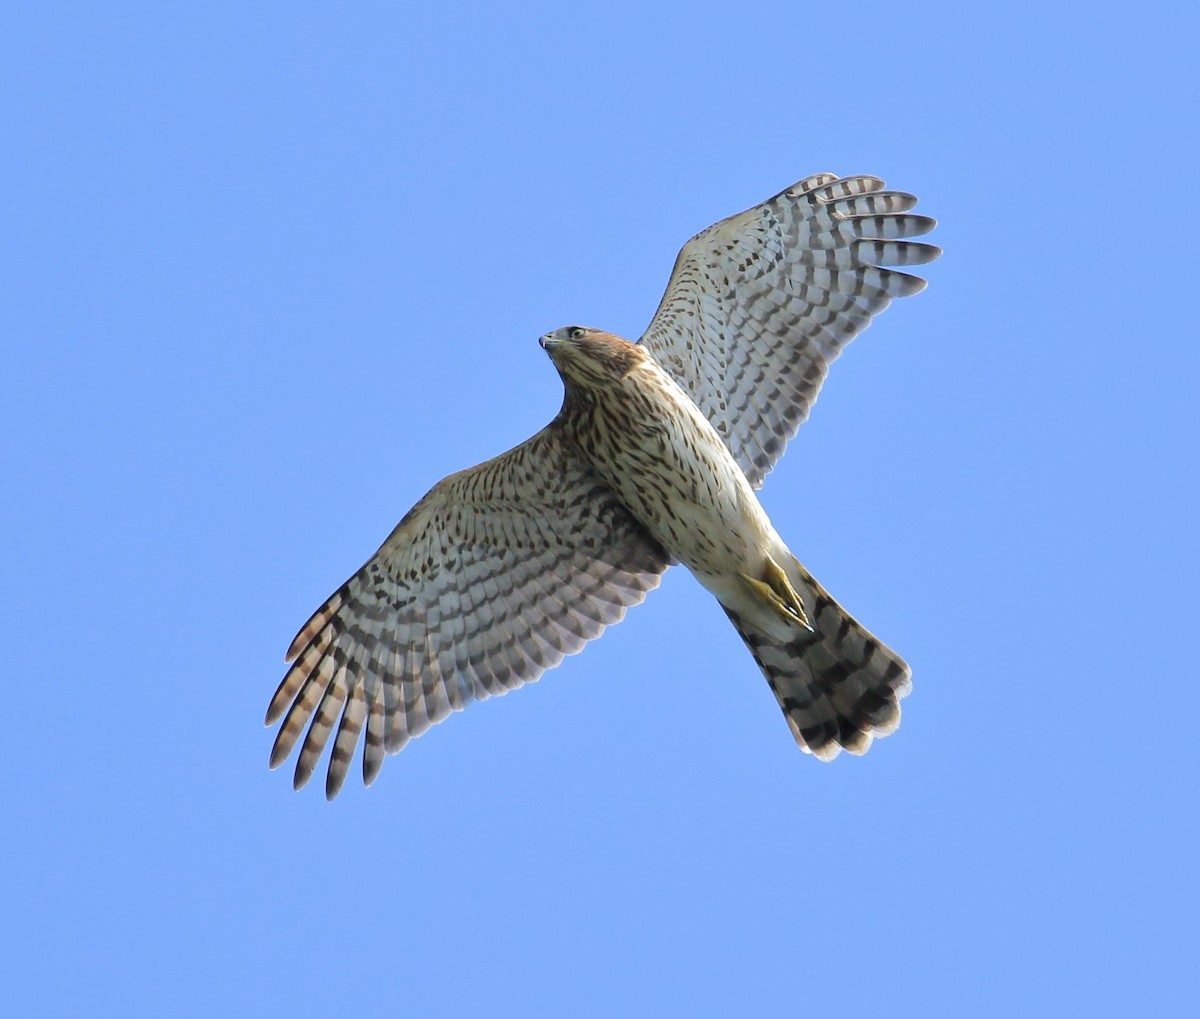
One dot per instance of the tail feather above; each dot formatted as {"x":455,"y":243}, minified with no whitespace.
{"x":839,"y":687}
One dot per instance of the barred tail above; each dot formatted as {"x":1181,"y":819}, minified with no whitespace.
{"x":838,"y":686}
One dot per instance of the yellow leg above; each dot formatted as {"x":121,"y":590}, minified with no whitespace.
{"x":776,"y":590}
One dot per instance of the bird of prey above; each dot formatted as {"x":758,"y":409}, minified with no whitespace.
{"x":654,"y":458}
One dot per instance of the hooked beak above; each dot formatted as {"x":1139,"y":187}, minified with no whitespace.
{"x":548,"y":342}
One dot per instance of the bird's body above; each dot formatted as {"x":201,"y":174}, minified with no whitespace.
{"x":670,"y":468}
{"x":654,"y":458}
{"x":660,"y":454}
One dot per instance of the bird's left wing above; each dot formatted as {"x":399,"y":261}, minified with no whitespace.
{"x":760,"y":304}
{"x":488,"y":581}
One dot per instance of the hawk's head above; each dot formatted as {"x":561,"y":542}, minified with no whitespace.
{"x":591,"y":357}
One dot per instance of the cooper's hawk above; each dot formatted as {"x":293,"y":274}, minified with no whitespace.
{"x":502,"y":569}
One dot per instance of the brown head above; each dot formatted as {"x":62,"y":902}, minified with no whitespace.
{"x":587,"y":358}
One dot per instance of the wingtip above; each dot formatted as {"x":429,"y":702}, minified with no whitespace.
{"x":902,"y":284}
{"x":277,"y":756}
{"x":300,"y":777}
{"x":275,"y":709}
{"x":334,"y":781}
{"x":295,"y":647}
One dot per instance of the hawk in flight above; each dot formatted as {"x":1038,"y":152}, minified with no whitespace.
{"x":654,"y":459}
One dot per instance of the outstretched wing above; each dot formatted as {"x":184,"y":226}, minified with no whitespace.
{"x":491,"y":579}
{"x":759,"y":305}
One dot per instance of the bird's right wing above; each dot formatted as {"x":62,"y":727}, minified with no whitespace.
{"x":489,"y":580}
{"x":759,"y":305}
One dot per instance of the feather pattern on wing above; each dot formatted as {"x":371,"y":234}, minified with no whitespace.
{"x":759,"y":305}
{"x":491,"y":579}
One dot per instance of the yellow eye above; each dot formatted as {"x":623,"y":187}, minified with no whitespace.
{"x":576,"y":333}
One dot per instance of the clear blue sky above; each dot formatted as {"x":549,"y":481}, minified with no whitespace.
{"x":271,"y":270}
